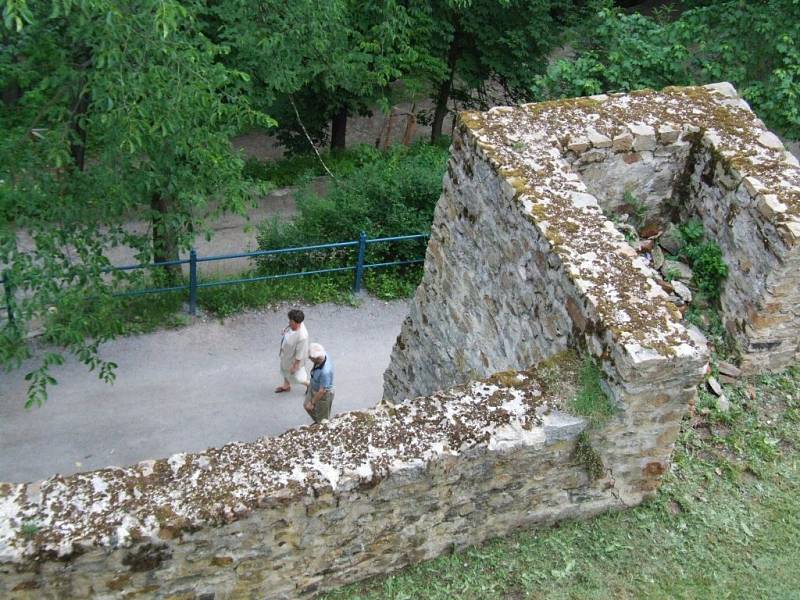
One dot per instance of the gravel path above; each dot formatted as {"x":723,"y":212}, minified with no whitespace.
{"x":189,"y":389}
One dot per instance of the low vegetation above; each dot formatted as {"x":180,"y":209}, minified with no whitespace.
{"x":591,"y":401}
{"x":705,"y":258}
{"x":725,"y":523}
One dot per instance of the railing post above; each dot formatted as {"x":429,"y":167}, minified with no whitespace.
{"x":192,"y":282}
{"x":9,"y":298}
{"x":362,"y":250}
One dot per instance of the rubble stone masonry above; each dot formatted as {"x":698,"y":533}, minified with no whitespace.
{"x":524,"y":275}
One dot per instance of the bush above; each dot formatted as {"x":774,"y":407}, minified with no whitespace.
{"x":383,"y":194}
{"x":705,"y":258}
{"x":299,"y":168}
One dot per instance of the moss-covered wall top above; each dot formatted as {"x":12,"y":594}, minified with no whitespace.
{"x":527,"y":147}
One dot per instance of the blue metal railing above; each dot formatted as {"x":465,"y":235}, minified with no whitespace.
{"x":194,"y":283}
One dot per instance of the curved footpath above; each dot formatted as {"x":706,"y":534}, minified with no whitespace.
{"x":189,"y":389}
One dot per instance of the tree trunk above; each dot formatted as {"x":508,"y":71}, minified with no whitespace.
{"x":80,"y":107}
{"x":165,"y":236}
{"x":11,"y":94}
{"x":411,"y":125}
{"x":444,"y":89}
{"x":387,"y":138}
{"x":339,"y":129}
{"x":77,"y":146}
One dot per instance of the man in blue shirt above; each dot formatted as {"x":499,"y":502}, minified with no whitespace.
{"x":319,"y":395}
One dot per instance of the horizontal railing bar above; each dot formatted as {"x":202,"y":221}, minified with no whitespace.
{"x":278,"y":251}
{"x":195,"y":259}
{"x":166,"y":263}
{"x":394,"y":264}
{"x":268,"y":277}
{"x":150,"y":291}
{"x":399,"y":238}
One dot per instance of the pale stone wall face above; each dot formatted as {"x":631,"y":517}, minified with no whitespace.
{"x":651,"y":176}
{"x":762,"y":291}
{"x":316,"y":508}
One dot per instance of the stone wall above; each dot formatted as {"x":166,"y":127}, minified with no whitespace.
{"x":759,"y":244}
{"x":324,"y":505}
{"x":522,"y":264}
{"x":652,"y":173}
{"x":698,"y":169}
{"x":526,"y":183}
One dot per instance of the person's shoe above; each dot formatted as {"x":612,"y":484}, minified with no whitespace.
{"x":280,"y":389}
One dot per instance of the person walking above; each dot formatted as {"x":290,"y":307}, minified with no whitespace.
{"x":293,"y":352}
{"x":319,"y":394}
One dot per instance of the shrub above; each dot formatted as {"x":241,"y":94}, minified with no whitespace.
{"x":705,"y":258}
{"x":387,"y":194}
{"x":298,"y":168}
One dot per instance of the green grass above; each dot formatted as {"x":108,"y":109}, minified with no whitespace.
{"x":725,"y":523}
{"x":591,"y":401}
{"x":297,"y":169}
{"x":143,"y":314}
{"x":226,"y":300}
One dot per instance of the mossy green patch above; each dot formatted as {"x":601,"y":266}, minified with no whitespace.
{"x":588,"y":458}
{"x":591,"y":401}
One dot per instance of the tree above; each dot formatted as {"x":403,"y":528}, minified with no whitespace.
{"x":328,"y":60}
{"x":754,"y":45}
{"x":124,"y":108}
{"x":472,"y":42}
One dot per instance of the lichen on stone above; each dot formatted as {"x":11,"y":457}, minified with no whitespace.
{"x":163,"y":499}
{"x":528,"y":147}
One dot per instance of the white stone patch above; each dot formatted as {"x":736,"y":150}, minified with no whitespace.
{"x":327,"y":470}
{"x":590,"y":265}
{"x":176,"y":461}
{"x":513,"y":435}
{"x":583,"y":200}
{"x":514,"y":404}
{"x":11,"y":515}
{"x":125,"y":528}
{"x":611,"y":293}
{"x":770,"y":140}
{"x":723,"y":88}
{"x":99,"y":485}
{"x":620,"y":316}
{"x":145,"y":467}
{"x":298,"y":474}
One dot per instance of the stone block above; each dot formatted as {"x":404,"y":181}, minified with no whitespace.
{"x":667,"y":134}
{"x":598,"y":140}
{"x":790,"y":233}
{"x":723,"y":88}
{"x":769,"y":205}
{"x":644,"y":137}
{"x":579,"y":144}
{"x":753,"y":186}
{"x":771,"y":141}
{"x":622,"y":142}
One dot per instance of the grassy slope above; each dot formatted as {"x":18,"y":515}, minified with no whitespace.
{"x":725,"y":524}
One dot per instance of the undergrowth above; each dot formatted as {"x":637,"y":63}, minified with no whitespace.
{"x":724,"y":524}
{"x":591,"y":401}
{"x":383,"y":193}
{"x":705,"y":258}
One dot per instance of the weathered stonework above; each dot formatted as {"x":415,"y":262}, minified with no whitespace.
{"x":522,"y":263}
{"x":315,"y":508}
